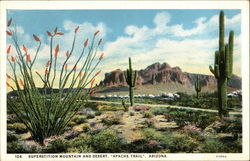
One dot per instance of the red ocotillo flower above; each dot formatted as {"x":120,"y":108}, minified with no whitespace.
{"x":46,"y":71}
{"x":13,"y":59}
{"x":66,"y":67}
{"x":60,"y":33}
{"x":9,"y":22}
{"x":24,"y":49}
{"x":96,"y":33}
{"x":86,"y":43}
{"x":49,"y":34}
{"x":48,"y":64}
{"x":36,"y":38}
{"x":92,"y":82}
{"x":92,"y":92}
{"x":101,"y":56}
{"x":55,"y":31}
{"x":97,"y":72}
{"x":100,"y":41}
{"x":28,"y":58}
{"x":8,"y":33}
{"x":75,"y":68}
{"x":76,"y":29}
{"x":8,"y":76}
{"x":67,"y":53}
{"x":8,"y":85}
{"x":56,"y":50}
{"x":8,"y":50}
{"x":80,"y":74}
{"x":21,"y":82}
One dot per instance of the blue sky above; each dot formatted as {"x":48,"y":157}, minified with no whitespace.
{"x":38,"y":21}
{"x":185,"y":38}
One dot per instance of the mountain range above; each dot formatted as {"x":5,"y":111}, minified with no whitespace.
{"x":165,"y":74}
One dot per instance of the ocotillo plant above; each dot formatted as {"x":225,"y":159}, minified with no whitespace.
{"x":197,"y":86}
{"x":223,"y":66}
{"x":131,"y":77}
{"x":47,"y":113}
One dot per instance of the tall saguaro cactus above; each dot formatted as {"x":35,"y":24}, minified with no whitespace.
{"x":131,"y":77}
{"x":197,"y":86}
{"x":223,"y":66}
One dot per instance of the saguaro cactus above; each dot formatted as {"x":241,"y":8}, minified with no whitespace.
{"x":131,"y":77}
{"x":223,"y":66}
{"x":197,"y":86}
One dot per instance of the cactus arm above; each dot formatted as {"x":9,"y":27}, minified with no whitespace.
{"x":135,"y":78}
{"x":221,"y":31}
{"x":217,"y":57}
{"x":216,"y":71}
{"x":227,"y":72}
{"x":231,"y":44}
{"x":211,"y":69}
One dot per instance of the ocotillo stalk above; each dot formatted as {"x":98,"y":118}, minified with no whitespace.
{"x":197,"y":86}
{"x":131,"y":77}
{"x":223,"y":66}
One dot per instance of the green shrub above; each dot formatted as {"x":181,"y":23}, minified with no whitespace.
{"x":80,"y":144}
{"x":148,"y":114}
{"x":107,"y":141}
{"x":183,"y":143}
{"x":19,"y":147}
{"x":79,"y":119}
{"x":198,"y":118}
{"x":111,"y":118}
{"x":11,"y":136}
{"x":56,"y":146}
{"x":131,"y":113}
{"x":152,"y":134}
{"x":196,"y":135}
{"x":98,"y":113}
{"x":159,"y":110}
{"x":235,"y":127}
{"x":213,"y":145}
{"x":216,"y":145}
{"x":17,"y":127}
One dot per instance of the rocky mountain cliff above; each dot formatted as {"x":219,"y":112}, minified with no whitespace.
{"x":164,"y":73}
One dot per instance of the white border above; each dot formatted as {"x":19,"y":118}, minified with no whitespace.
{"x":243,"y":5}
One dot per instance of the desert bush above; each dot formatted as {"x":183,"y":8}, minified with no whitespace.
{"x":110,"y":107}
{"x":150,"y":122}
{"x":159,"y":110}
{"x":98,"y":113}
{"x":214,"y":145}
{"x":17,"y":127}
{"x":152,"y":134}
{"x":79,"y":119}
{"x":131,"y":113}
{"x":46,"y":111}
{"x":111,"y":118}
{"x":107,"y":141}
{"x":182,"y":143}
{"x":148,"y":114}
{"x":19,"y":147}
{"x":56,"y":146}
{"x":80,"y":144}
{"x":11,"y":136}
{"x":197,"y":118}
{"x":235,"y":127}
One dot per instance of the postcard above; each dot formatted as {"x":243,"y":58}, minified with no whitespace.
{"x":124,"y":80}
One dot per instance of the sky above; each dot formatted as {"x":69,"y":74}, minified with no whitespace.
{"x":184,"y":38}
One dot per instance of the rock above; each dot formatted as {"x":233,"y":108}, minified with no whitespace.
{"x":163,"y":73}
{"x":141,"y":108}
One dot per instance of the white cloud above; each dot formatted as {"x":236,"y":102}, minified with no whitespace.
{"x":147,"y":45}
